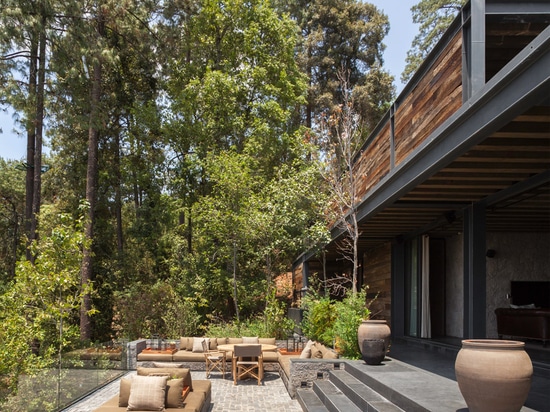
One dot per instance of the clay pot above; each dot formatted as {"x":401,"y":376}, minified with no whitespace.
{"x":373,"y":351}
{"x":373,"y":329}
{"x":493,"y":375}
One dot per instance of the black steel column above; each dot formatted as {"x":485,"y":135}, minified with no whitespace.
{"x":398,"y":289}
{"x":474,"y":272}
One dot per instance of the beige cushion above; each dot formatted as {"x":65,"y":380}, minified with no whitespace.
{"x":186,"y":343}
{"x":174,"y":373}
{"x":124,"y":393}
{"x":234,"y":341}
{"x":197,"y":344}
{"x":250,"y":339}
{"x":147,"y":393}
{"x":329,"y":354}
{"x":316,"y":352}
{"x":306,"y":352}
{"x":267,"y":341}
{"x":174,"y":389}
{"x":168,"y":365}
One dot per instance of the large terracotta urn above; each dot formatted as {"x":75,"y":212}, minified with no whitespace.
{"x":373,"y":329}
{"x":493,"y":375}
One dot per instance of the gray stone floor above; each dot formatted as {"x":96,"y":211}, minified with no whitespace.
{"x":247,"y":396}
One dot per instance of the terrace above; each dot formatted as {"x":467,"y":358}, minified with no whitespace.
{"x":415,"y":377}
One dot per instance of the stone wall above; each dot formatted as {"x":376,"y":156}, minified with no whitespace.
{"x":304,"y":371}
{"x":518,"y":256}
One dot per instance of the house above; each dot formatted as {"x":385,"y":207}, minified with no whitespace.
{"x":455,"y":196}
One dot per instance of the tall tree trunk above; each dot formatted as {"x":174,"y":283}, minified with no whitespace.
{"x":118,"y":198}
{"x":91,"y":188}
{"x":235,"y":290}
{"x":31,"y":136}
{"x":39,"y":125}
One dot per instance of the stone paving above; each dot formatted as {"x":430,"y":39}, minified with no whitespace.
{"x":247,"y":396}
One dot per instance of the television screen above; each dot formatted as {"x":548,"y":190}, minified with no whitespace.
{"x":528,"y":292}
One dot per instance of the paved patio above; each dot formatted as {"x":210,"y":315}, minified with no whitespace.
{"x":247,"y":396}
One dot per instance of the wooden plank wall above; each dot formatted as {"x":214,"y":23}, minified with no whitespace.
{"x":377,"y":275}
{"x":432,"y":101}
{"x":374,"y":162}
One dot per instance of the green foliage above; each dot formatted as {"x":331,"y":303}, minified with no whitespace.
{"x":12,"y":190}
{"x":37,"y":311}
{"x":319,"y":318}
{"x":143,"y":310}
{"x":335,"y":322}
{"x":434,"y":18}
{"x":272,"y":323}
{"x":348,"y":315}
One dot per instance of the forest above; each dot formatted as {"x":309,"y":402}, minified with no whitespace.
{"x":189,"y":148}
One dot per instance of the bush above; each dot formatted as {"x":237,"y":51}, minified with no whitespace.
{"x":318,"y":318}
{"x":348,"y":316}
{"x":335,"y":323}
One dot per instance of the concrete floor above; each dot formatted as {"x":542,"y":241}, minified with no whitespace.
{"x":439,"y":358}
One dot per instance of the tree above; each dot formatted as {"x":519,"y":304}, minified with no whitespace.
{"x":24,"y":55}
{"x":342,"y":132}
{"x":341,"y":35}
{"x":37,"y":308}
{"x":12,"y":213}
{"x":434,"y":17}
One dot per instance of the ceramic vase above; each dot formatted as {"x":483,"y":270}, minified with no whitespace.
{"x":373,"y":329}
{"x":493,"y":375}
{"x":373,"y":351}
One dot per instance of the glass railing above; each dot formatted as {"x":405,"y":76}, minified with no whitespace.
{"x":79,"y":373}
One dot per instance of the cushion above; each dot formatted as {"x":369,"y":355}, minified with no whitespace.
{"x":174,"y":390}
{"x":124,"y":393}
{"x":197,"y":344}
{"x":316,"y":352}
{"x":174,"y":373}
{"x":306,"y":352}
{"x":147,"y":393}
{"x":168,"y":365}
{"x":328,"y":354}
{"x":234,"y":341}
{"x":249,"y":339}
{"x":267,"y":341}
{"x":186,"y":343}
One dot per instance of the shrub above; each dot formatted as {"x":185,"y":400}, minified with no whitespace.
{"x":348,"y":316}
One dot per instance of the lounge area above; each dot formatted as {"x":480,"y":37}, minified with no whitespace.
{"x":430,"y":362}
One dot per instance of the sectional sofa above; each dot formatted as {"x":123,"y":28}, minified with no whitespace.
{"x":160,"y":388}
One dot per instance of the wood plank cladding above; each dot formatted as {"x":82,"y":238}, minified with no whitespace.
{"x":436,"y":97}
{"x":377,"y":275}
{"x":374,"y":162}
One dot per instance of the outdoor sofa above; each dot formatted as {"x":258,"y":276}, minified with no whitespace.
{"x":181,"y":392}
{"x":294,"y":368}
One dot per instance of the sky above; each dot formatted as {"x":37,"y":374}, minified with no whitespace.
{"x":398,"y":42}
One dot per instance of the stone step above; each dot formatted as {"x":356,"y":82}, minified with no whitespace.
{"x":398,"y":383}
{"x":309,"y":401}
{"x":333,"y":398}
{"x":360,"y":394}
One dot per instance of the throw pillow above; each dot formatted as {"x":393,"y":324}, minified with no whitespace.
{"x":174,"y":389}
{"x":167,"y":365}
{"x":316,"y":352}
{"x":306,"y":352}
{"x":249,"y":339}
{"x":197,"y":344}
{"x":148,"y":393}
{"x":174,"y":373}
{"x":124,"y":394}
